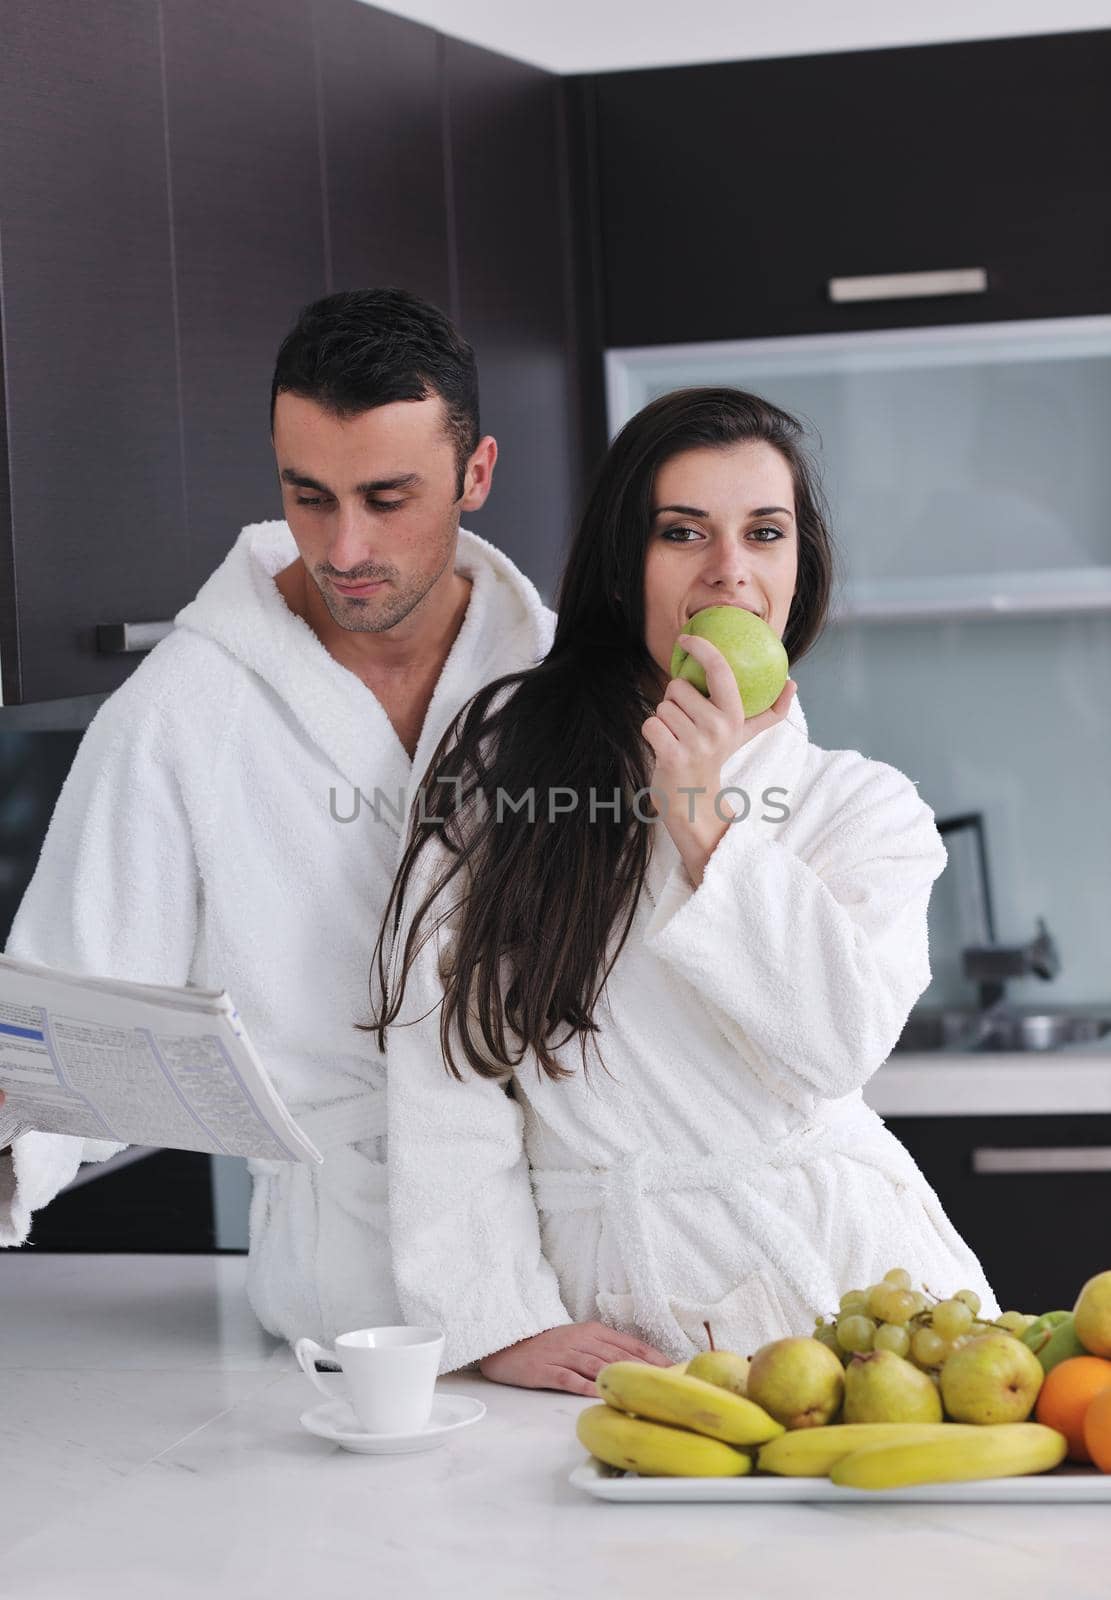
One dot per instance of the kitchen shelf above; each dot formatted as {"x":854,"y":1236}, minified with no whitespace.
{"x":956,"y":597}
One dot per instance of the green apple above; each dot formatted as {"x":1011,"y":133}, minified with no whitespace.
{"x":752,"y":649}
{"x":1039,"y":1332}
{"x":1063,"y":1343}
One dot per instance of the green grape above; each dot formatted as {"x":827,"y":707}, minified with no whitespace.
{"x":856,"y":1332}
{"x":1013,"y":1321}
{"x":970,"y":1298}
{"x":892,"y":1336}
{"x":921,"y":1301}
{"x":854,"y":1302}
{"x":887,"y":1303}
{"x":929,"y":1348}
{"x":982,"y":1327}
{"x":827,"y":1335}
{"x":951,"y":1318}
{"x":899,"y":1276}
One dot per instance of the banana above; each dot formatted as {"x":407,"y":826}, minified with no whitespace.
{"x":989,"y":1450}
{"x":685,"y":1402}
{"x":654,"y":1450}
{"x":811,"y":1452}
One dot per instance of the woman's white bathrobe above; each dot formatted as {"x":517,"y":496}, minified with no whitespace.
{"x":196,"y":840}
{"x":727,"y":1168}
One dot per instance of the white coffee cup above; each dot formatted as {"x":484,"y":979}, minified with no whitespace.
{"x":389,"y":1373}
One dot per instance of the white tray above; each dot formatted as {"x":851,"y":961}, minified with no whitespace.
{"x":1067,"y":1482}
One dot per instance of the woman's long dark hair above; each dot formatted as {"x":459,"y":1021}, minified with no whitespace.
{"x":542,"y":898}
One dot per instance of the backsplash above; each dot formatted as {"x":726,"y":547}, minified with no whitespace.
{"x":1011,"y":718}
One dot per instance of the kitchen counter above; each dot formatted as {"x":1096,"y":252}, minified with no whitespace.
{"x":151,"y":1446}
{"x":1030,"y":1083}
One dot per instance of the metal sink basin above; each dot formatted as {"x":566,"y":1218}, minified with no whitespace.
{"x":964,"y":1030}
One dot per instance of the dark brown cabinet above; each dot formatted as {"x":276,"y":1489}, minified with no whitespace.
{"x":1029,"y":1194}
{"x":96,"y":529}
{"x":249,"y":247}
{"x":729,"y":195}
{"x":180,"y":179}
{"x":512,"y":292}
{"x":382,"y":142}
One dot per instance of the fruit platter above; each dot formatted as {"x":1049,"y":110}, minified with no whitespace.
{"x":901,"y":1394}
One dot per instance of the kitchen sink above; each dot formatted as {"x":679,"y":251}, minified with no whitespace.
{"x":964,"y":1030}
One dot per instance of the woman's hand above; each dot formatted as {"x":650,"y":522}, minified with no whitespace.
{"x":567,"y":1358}
{"x":692,"y":737}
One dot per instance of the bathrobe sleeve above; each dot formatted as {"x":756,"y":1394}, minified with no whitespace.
{"x":812,"y":960}
{"x":464,"y":1232}
{"x":114,"y":895}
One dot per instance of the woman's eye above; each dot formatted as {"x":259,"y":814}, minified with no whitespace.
{"x":778,"y":532}
{"x":669,"y":532}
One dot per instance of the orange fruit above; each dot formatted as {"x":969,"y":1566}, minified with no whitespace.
{"x":1064,"y":1398}
{"x":1097,"y":1429}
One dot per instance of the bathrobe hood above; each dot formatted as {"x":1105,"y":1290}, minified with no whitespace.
{"x":240,"y":609}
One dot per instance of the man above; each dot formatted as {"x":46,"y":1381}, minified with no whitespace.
{"x":235,"y":811}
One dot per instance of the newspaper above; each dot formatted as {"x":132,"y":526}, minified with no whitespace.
{"x":136,"y":1063}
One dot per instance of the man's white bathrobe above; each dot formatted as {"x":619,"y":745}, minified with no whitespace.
{"x":203,"y":836}
{"x":726,"y":1169}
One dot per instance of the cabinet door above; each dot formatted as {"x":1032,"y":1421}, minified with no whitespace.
{"x":1029,"y":1194}
{"x":507,"y":204}
{"x":96,"y":530}
{"x":731,"y":194}
{"x":383,"y":149}
{"x":249,"y":242}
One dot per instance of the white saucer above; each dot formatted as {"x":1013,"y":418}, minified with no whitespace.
{"x":336,"y":1422}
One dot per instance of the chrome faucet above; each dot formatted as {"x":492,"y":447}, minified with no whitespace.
{"x":990,"y":964}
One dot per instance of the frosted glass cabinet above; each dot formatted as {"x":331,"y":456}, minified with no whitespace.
{"x":968,"y":470}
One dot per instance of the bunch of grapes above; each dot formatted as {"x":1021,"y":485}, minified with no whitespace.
{"x":914,"y":1323}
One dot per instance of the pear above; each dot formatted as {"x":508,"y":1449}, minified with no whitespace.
{"x":883,"y":1387}
{"x":725,"y":1368}
{"x":1092,"y":1315}
{"x":800,"y":1382}
{"x":992,"y":1378}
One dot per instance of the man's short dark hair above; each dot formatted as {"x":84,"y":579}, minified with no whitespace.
{"x":362,"y":348}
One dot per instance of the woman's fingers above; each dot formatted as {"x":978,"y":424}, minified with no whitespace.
{"x":630,"y":1346}
{"x":566,"y":1379}
{"x":719,"y":674}
{"x":775,"y":713}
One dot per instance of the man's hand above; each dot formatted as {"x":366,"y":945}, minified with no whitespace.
{"x":567,"y":1358}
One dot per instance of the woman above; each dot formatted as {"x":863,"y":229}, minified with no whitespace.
{"x":739,"y":963}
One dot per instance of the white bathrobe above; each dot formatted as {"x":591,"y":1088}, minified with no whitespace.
{"x":726,"y":1169}
{"x":196,"y":840}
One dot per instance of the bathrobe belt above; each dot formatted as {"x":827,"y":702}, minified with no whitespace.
{"x":619,"y":1192}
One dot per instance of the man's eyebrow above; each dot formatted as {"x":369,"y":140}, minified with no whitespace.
{"x":693,"y":511}
{"x":404,"y":480}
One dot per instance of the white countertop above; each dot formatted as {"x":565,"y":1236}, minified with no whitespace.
{"x":150,"y":1447}
{"x":1033,"y":1083}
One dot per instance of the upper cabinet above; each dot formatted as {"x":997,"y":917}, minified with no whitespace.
{"x":249,"y":247}
{"x":180,"y":179}
{"x":96,"y":528}
{"x":758,"y":198}
{"x":513,"y":296}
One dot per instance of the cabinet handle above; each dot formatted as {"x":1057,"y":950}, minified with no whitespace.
{"x":129,"y":638}
{"x":1069,"y":1158}
{"x":910,"y":285}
